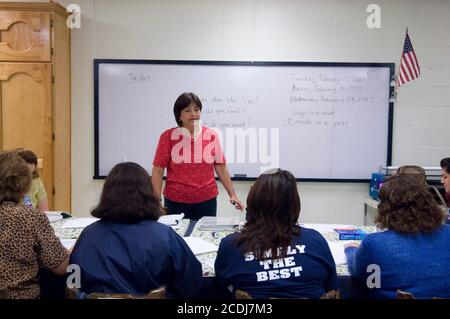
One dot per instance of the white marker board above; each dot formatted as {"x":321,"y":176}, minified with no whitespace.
{"x":325,"y":121}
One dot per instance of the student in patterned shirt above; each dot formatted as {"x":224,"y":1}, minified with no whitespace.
{"x":191,"y":153}
{"x":27,"y":241}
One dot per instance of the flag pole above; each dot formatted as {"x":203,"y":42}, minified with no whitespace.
{"x":398,"y":70}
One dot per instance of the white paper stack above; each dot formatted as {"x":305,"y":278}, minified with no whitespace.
{"x":172,"y":220}
{"x":79,"y":222}
{"x":218,"y":223}
{"x":200,"y":246}
{"x":53,"y":216}
{"x":337,"y":250}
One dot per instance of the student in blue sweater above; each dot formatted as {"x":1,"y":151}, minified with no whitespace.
{"x":273,"y":256}
{"x":127,"y":250}
{"x":413,"y":253}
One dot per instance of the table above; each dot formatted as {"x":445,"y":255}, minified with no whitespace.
{"x":349,"y":287}
{"x":74,"y":233}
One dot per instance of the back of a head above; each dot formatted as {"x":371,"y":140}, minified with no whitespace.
{"x":127,"y":196}
{"x":273,"y":208}
{"x":406,"y":206}
{"x":415,"y":171}
{"x":29,"y":157}
{"x":15,"y":178}
{"x":445,"y":164}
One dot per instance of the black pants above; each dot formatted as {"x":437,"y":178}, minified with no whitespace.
{"x":192,"y":211}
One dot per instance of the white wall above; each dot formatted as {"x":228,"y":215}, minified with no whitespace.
{"x":301,"y":30}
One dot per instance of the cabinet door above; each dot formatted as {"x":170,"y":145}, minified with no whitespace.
{"x":27,"y":113}
{"x":24,"y":36}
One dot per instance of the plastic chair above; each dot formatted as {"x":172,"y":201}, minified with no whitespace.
{"x":4,"y":294}
{"x":74,"y":293}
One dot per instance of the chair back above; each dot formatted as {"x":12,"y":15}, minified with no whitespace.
{"x":332,"y":294}
{"x":74,"y":293}
{"x":4,"y":293}
{"x":404,"y":295}
{"x":241,"y":294}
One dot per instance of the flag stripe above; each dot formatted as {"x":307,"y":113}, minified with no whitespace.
{"x":409,"y":65}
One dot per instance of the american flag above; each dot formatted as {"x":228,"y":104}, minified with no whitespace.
{"x":409,"y":66}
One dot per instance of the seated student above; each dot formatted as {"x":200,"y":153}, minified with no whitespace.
{"x":27,"y":241}
{"x":413,"y":253}
{"x":445,"y":179}
{"x":37,"y":194}
{"x":127,"y":250}
{"x":272,"y":256}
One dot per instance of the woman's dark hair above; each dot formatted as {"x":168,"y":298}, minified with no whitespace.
{"x":412,"y":170}
{"x":406,"y":206}
{"x":127,"y":196}
{"x":29,"y":157}
{"x":273,"y":208}
{"x":182,"y":102}
{"x":445,"y":164}
{"x":15,"y":178}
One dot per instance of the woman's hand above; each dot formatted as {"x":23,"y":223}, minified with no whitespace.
{"x":234,"y":200}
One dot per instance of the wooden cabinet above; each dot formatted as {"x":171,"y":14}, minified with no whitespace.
{"x":35,"y":90}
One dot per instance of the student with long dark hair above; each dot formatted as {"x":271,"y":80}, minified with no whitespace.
{"x":127,"y":250}
{"x":273,"y":256}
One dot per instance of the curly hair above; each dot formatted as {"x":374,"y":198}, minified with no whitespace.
{"x":127,"y":196}
{"x":273,"y":208}
{"x":29,"y":157}
{"x":15,"y":178}
{"x":406,"y":206}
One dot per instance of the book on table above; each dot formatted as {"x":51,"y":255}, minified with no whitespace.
{"x":350,"y":233}
{"x":218,"y":223}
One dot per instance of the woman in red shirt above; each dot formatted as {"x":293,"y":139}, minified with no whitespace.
{"x":191,"y":153}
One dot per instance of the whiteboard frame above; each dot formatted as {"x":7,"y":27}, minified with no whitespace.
{"x":391,"y":66}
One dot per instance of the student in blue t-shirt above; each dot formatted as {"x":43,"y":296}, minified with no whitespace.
{"x":273,"y":256}
{"x":127,"y":250}
{"x":413,"y":253}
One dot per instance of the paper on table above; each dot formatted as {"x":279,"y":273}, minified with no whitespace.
{"x":53,"y":216}
{"x":200,"y":246}
{"x":68,"y":243}
{"x":79,"y":222}
{"x":172,"y":220}
{"x":337,"y":250}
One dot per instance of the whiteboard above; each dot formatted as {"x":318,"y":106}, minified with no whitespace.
{"x":321,"y":121}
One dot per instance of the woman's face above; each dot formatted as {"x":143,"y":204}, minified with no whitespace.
{"x":445,"y":179}
{"x":189,"y":115}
